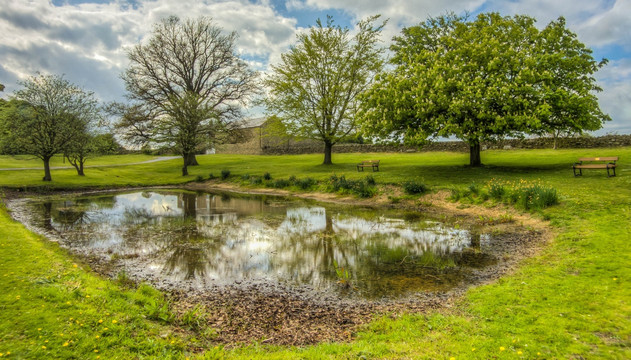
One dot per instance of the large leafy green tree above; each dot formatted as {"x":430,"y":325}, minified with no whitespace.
{"x":316,"y":87}
{"x":56,"y":113}
{"x":567,"y":84}
{"x":186,"y":84}
{"x":481,"y":80}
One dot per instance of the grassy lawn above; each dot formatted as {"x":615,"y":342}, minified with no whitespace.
{"x":571,"y":301}
{"x":30,"y":161}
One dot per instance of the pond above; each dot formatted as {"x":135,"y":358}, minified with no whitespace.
{"x":182,"y":239}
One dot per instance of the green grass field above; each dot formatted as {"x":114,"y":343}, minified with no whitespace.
{"x":571,"y":301}
{"x":30,"y":161}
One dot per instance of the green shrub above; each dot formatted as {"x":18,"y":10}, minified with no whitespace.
{"x":280,"y":183}
{"x":537,"y":197}
{"x":305,"y":183}
{"x":267,"y":176}
{"x":455,"y":194}
{"x":225,"y":173}
{"x":370,"y":180}
{"x":199,"y":178}
{"x":413,"y":187}
{"x":245,"y":176}
{"x":497,"y":191}
{"x":345,"y":186}
{"x":256,"y":180}
{"x":211,"y":176}
{"x":474,"y":188}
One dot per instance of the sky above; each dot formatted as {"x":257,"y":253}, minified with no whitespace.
{"x":86,"y":40}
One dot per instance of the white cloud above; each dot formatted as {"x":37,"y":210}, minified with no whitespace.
{"x":615,"y":99}
{"x":87,"y":42}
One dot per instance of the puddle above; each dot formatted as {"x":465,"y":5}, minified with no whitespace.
{"x":193,"y":240}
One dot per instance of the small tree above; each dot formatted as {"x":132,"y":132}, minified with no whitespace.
{"x":483,"y":80}
{"x":58,"y":113}
{"x":315,"y":89}
{"x":79,"y":149}
{"x":186,"y":84}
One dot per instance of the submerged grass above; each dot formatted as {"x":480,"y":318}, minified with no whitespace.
{"x":569,"y":301}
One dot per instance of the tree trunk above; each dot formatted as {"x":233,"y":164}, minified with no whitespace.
{"x":327,"y":153}
{"x":191,"y":160}
{"x":474,"y":154}
{"x":47,"y":176}
{"x":78,"y":165}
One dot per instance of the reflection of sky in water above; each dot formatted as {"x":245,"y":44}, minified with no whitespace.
{"x":207,"y":237}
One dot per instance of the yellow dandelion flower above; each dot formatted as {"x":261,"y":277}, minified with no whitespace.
{"x":114,"y":321}
{"x":502,"y":348}
{"x":67,"y":302}
{"x":95,"y":350}
{"x":39,"y":329}
{"x":17,"y":297}
{"x":65,"y":344}
{"x":472,"y":349}
{"x":100,"y":321}
{"x":1,"y":354}
{"x":87,"y":296}
{"x":172,"y":341}
{"x":75,"y":265}
{"x":615,"y":279}
{"x":519,"y":352}
{"x":452,"y":358}
{"x":96,"y":337}
{"x":105,"y":329}
{"x":43,"y":347}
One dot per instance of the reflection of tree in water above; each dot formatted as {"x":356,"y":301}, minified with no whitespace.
{"x":134,"y":215}
{"x":230,"y":238}
{"x":188,"y":203}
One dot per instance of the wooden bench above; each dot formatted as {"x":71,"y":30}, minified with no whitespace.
{"x":374,"y":164}
{"x":607,"y":162}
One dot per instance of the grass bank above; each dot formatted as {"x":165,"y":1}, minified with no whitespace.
{"x":570,"y":301}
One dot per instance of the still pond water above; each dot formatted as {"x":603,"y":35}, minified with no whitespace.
{"x":207,"y":239}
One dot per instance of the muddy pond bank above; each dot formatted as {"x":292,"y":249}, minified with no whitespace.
{"x":245,"y":310}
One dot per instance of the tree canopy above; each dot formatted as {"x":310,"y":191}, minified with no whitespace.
{"x":481,"y":80}
{"x":315,"y":89}
{"x":48,"y":115}
{"x":186,"y":85}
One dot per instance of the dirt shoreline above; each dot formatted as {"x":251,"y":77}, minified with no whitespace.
{"x":266,"y":314}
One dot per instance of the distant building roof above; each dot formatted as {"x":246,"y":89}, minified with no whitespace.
{"x":252,"y":122}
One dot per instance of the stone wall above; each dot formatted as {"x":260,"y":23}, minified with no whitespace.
{"x":455,"y":146}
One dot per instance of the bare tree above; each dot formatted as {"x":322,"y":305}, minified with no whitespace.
{"x":187,"y":84}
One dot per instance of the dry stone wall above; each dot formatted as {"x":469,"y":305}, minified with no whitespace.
{"x":455,"y":146}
